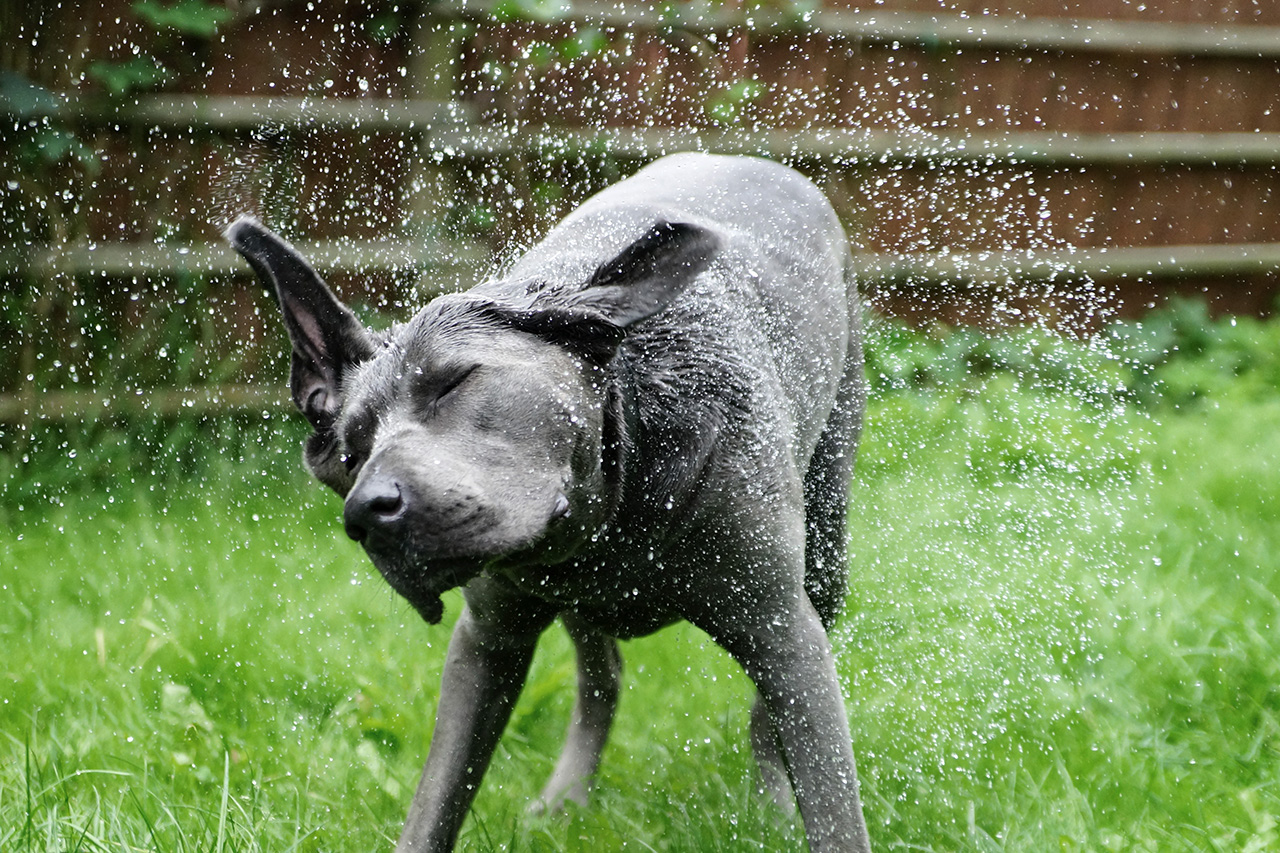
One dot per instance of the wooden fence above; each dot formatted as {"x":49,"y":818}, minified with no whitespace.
{"x":1039,"y":160}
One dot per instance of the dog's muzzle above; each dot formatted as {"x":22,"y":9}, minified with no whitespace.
{"x":376,"y":506}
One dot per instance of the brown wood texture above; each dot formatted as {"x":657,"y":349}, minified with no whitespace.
{"x":1245,"y":12}
{"x":979,"y":131}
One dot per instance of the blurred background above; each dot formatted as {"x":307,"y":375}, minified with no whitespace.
{"x":1047,"y":161}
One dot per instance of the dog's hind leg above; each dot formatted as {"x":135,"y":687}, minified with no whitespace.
{"x":826,"y":492}
{"x":774,"y":782}
{"x":826,"y":489}
{"x":778,"y":639}
{"x":599,"y":672}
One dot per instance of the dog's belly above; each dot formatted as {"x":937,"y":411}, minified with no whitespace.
{"x":625,"y":621}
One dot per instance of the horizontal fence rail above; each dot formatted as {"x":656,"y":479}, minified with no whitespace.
{"x":237,"y":112}
{"x":930,"y":30}
{"x":141,"y":259}
{"x":92,"y":405}
{"x":449,"y":128}
{"x":1109,"y":264}
{"x":855,"y":145}
{"x":976,"y":268}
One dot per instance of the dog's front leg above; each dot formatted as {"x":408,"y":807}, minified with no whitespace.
{"x":486,"y":667}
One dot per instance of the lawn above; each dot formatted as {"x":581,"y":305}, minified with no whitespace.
{"x":1061,"y":631}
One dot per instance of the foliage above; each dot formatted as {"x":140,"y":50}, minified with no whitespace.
{"x":727,"y":105}
{"x":529,"y":10}
{"x":47,"y":464}
{"x":1180,"y":355}
{"x":124,"y":77}
{"x":1175,"y":355}
{"x":56,"y":163}
{"x":959,"y":358}
{"x":190,"y":17}
{"x":169,"y":24}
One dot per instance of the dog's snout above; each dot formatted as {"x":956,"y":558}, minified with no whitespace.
{"x":374,"y":504}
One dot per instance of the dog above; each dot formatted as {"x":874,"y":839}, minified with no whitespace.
{"x":650,"y":417}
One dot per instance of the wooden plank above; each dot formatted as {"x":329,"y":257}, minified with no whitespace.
{"x":1129,"y":263}
{"x":143,"y":259}
{"x":1050,"y":34}
{"x":121,"y":259}
{"x":232,"y":113}
{"x":989,"y":32}
{"x":853,"y":146}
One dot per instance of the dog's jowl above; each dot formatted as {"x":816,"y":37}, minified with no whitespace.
{"x":650,"y":417}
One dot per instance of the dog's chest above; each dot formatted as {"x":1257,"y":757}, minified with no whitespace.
{"x":614,"y":597}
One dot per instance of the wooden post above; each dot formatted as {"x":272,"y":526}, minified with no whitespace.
{"x":433,"y":70}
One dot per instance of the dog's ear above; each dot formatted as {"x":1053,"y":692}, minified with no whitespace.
{"x":647,"y":275}
{"x":639,"y":282}
{"x":327,"y":338}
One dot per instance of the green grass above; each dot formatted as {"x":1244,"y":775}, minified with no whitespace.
{"x":1061,"y":634}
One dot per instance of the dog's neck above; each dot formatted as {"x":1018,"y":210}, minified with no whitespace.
{"x":617,"y":432}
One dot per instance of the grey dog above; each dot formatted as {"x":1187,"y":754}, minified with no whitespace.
{"x":650,"y":417}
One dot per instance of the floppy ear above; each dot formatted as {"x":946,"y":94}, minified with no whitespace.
{"x":639,"y":282}
{"x":647,"y":275}
{"x":327,"y":338}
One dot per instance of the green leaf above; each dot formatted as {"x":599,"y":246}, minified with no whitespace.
{"x":542,"y":11}
{"x":540,"y":55}
{"x":191,"y":17}
{"x":726,"y":106}
{"x":745,"y":91}
{"x":123,"y":78}
{"x":383,"y":27}
{"x":481,"y":217}
{"x":50,"y":145}
{"x":546,"y":192}
{"x":585,"y":42}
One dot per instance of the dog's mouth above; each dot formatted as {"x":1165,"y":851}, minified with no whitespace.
{"x":430,"y":608}
{"x":422,"y":584}
{"x":420,"y":574}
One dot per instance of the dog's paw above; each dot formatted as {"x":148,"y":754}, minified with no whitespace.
{"x":556,"y":802}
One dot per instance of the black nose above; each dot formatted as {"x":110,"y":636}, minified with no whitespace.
{"x":375,"y":504}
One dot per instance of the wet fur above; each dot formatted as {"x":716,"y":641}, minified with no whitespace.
{"x":680,"y":363}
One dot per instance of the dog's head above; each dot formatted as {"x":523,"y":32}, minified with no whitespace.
{"x":477,"y":433}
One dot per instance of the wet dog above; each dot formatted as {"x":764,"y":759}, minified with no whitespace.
{"x":650,"y":417}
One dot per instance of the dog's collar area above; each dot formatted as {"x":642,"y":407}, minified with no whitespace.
{"x":618,"y":427}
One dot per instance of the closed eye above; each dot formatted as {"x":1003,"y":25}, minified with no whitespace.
{"x":453,"y":383}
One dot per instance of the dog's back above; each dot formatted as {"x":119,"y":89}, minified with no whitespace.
{"x":750,"y":383}
{"x":776,"y":302}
